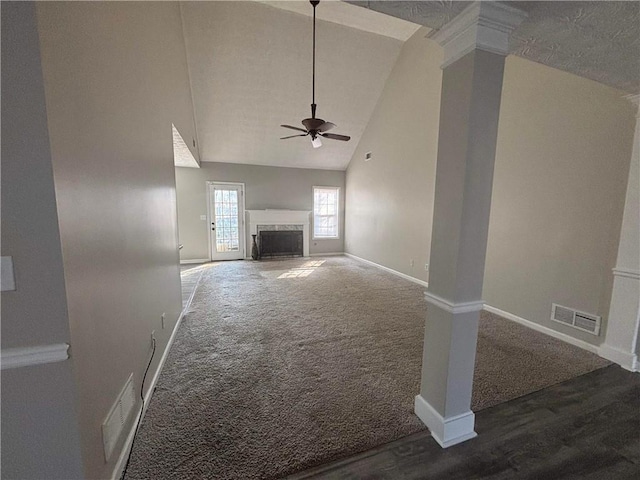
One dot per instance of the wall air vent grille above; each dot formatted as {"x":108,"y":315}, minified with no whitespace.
{"x":117,"y":419}
{"x":563,"y":315}
{"x":576,"y":319}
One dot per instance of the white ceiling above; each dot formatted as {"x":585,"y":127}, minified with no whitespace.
{"x":250,"y":65}
{"x":250,"y":69}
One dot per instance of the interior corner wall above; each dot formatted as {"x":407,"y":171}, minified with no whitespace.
{"x":265,"y":187}
{"x":390,"y":197}
{"x":562,"y":164}
{"x":115,"y":79}
{"x":40,"y":437}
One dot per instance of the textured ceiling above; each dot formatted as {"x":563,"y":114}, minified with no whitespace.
{"x":599,"y":40}
{"x":430,"y":14}
{"x":250,"y":65}
{"x":250,"y":70}
{"x":596,"y":40}
{"x":350,"y":16}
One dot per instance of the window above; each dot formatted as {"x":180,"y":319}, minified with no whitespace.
{"x":325,"y":212}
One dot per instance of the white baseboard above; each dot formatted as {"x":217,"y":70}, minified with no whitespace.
{"x":330,"y":254}
{"x":124,"y":454}
{"x":387,"y":269}
{"x":195,"y":260}
{"x":446,"y":431}
{"x":627,"y":360}
{"x":541,"y":328}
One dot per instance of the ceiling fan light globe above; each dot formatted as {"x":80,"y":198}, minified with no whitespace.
{"x":316,"y":142}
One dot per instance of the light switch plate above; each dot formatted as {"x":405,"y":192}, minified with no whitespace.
{"x":203,"y":217}
{"x":7,"y":280}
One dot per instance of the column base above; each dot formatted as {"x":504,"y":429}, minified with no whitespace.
{"x":627,"y":360}
{"x":446,"y":431}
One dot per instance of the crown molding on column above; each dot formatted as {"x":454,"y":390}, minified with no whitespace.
{"x":483,"y":25}
{"x":634,"y":98}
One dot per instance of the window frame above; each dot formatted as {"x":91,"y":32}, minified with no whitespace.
{"x":337,"y":215}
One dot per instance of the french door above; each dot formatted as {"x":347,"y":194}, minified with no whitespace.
{"x":226,"y":220}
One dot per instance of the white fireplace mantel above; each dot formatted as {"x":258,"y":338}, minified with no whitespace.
{"x":281,"y":217}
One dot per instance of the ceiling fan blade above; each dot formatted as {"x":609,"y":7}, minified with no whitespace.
{"x":294,"y":128}
{"x":291,"y":136}
{"x":335,"y":136}
{"x":326,"y":126}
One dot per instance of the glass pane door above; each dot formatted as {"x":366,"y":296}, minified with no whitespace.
{"x":227,"y":239}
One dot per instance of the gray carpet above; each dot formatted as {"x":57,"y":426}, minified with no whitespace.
{"x":283,"y":365}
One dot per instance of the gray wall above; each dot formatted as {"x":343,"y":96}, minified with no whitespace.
{"x":40,"y":436}
{"x":390,"y":198}
{"x":562,"y":160}
{"x":265,"y":187}
{"x":115,"y":80}
{"x":562,"y":164}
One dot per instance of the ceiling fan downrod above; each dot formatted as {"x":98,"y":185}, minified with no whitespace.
{"x":314,"y":3}
{"x":315,"y":127}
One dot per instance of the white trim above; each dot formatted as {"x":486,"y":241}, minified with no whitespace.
{"x":542,"y":329}
{"x":242,"y":229}
{"x":626,"y":360}
{"x":633,"y":98}
{"x":313,"y":212}
{"x":387,"y":269}
{"x":482,"y":25}
{"x":194,"y":260}
{"x":282,"y":217}
{"x":122,"y":458}
{"x":328,"y":254}
{"x":451,"y":307}
{"x":626,"y":272}
{"x":128,"y":443}
{"x":446,"y":431}
{"x":28,"y":356}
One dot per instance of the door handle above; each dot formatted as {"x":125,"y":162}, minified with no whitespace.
{"x":213,"y":226}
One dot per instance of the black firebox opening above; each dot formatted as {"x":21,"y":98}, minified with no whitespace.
{"x":280,"y":243}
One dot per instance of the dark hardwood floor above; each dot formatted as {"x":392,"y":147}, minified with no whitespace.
{"x":585,"y":428}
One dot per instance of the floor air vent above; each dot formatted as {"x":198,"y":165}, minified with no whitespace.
{"x":580,"y":320}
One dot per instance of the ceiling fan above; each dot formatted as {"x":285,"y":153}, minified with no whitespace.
{"x":315,"y":127}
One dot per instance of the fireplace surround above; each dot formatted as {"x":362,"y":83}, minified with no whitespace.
{"x":279,"y":220}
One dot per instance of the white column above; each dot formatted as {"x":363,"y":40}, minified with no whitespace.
{"x":622,"y":338}
{"x":475,"y":44}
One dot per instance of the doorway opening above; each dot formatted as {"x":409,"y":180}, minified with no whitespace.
{"x":226,"y":220}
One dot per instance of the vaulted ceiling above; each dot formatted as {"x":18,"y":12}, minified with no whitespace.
{"x":250,"y":65}
{"x":250,"y":69}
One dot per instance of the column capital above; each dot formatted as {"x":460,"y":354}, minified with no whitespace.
{"x":634,"y":99}
{"x":483,"y":25}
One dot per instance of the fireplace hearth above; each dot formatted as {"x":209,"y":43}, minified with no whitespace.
{"x":280,"y":243}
